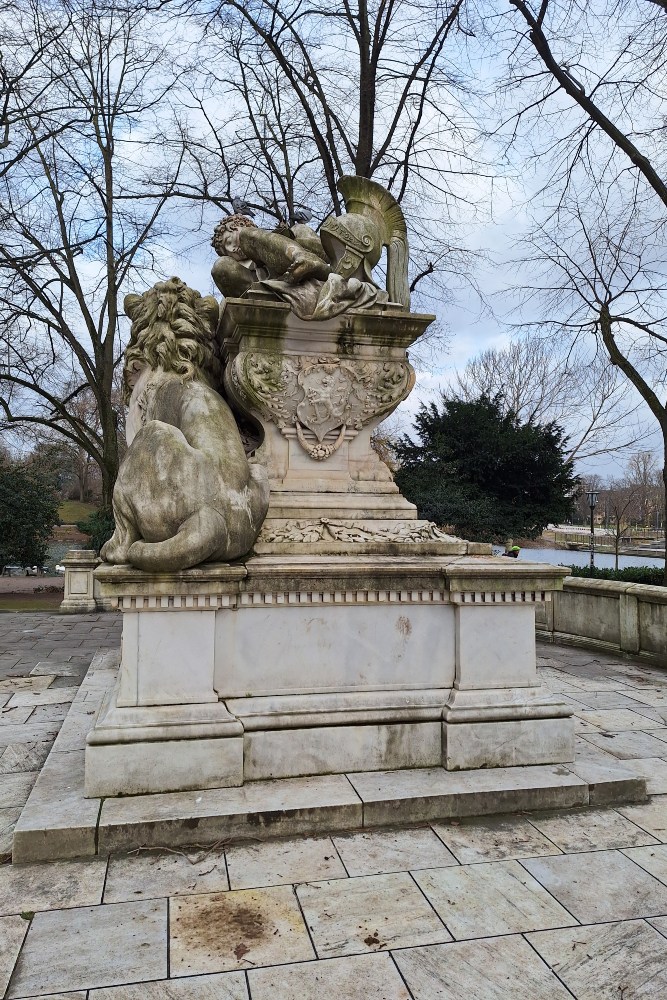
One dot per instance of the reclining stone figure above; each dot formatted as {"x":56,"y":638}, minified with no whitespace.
{"x":320,"y":275}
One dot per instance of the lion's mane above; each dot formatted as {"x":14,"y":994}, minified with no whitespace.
{"x":173,"y":328}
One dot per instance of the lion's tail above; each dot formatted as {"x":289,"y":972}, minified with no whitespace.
{"x":202,"y":534}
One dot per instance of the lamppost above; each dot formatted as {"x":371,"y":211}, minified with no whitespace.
{"x":592,"y":503}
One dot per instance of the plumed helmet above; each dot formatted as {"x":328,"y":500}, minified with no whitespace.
{"x":373,"y":219}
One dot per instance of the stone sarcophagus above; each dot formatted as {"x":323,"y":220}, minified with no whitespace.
{"x":298,"y":618}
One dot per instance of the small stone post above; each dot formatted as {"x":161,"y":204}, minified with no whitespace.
{"x":79,"y":565}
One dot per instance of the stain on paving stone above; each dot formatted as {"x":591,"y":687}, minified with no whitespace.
{"x":220,"y":931}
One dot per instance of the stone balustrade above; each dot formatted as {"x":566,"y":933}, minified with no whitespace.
{"x":605,"y":614}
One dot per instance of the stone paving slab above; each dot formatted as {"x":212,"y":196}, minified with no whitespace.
{"x":379,"y":852}
{"x":497,"y":838}
{"x":491,"y":969}
{"x":358,"y":977}
{"x":490,"y":899}
{"x":87,"y":924}
{"x":93,"y":946}
{"x":376,"y":912}
{"x":304,"y":860}
{"x":151,"y":874}
{"x":616,"y":960}
{"x":225,"y":986}
{"x":600,"y":886}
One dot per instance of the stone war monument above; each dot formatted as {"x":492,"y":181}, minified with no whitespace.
{"x":285,"y":611}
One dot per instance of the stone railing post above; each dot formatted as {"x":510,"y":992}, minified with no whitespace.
{"x":628,"y":610}
{"x":79,"y":565}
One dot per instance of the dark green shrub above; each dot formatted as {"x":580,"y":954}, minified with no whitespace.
{"x":100,"y":526}
{"x":652,"y":575}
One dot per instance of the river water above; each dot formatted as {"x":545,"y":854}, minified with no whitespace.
{"x":603,"y":560}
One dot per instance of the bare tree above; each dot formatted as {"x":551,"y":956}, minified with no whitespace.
{"x":541,"y":380}
{"x":587,"y":82}
{"x":77,"y":221}
{"x":622,"y":505}
{"x":643,"y":472}
{"x":312,"y":92}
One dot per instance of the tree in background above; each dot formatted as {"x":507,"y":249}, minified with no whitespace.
{"x":622,"y":502}
{"x":480,"y":470}
{"x":312,"y":92}
{"x":586,"y":102}
{"x":87,"y":126}
{"x":28,"y":513}
{"x":541,"y":380}
{"x":644,"y":474}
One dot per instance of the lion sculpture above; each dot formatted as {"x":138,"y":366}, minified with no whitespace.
{"x":185,"y":493}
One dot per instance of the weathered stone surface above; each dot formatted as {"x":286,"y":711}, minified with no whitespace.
{"x":335,"y":749}
{"x":379,"y":852}
{"x":52,"y":696}
{"x":226,"y":986}
{"x":483,"y":970}
{"x":59,"y":885}
{"x":654,"y":770}
{"x":151,"y":874}
{"x":416,"y":796}
{"x":651,"y":859}
{"x":359,"y":977}
{"x":12,"y":932}
{"x":350,"y":916}
{"x":493,"y":839}
{"x":590,"y":830}
{"x":611,"y":784}
{"x":627,"y":745}
{"x":163,"y":766}
{"x":600,"y":886}
{"x":651,"y":817}
{"x":15,"y":788}
{"x":260,"y":808}
{"x":608,"y":960}
{"x":483,"y":899}
{"x":473,"y":745}
{"x":283,"y":861}
{"x":57,"y":805}
{"x":108,"y":945}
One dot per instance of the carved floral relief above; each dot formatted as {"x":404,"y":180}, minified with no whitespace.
{"x":318,"y":395}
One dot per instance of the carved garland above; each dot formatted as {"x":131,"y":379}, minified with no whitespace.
{"x":340,"y":531}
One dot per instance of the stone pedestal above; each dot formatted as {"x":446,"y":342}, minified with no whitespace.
{"x":356,"y":637}
{"x":292,"y":665}
{"x":79,"y":597}
{"x":318,"y":389}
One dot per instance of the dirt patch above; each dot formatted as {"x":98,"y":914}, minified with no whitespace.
{"x":222,"y":925}
{"x":31,"y":602}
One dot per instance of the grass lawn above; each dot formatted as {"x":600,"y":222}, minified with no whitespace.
{"x":30,"y":602}
{"x":72,"y":511}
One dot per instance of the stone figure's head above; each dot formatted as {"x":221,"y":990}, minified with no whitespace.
{"x":225,"y":240}
{"x":173,"y":329}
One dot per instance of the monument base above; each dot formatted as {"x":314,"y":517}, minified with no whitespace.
{"x":287,"y":666}
{"x":164,"y":748}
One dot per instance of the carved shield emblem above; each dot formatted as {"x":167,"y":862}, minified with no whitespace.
{"x":327,"y":389}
